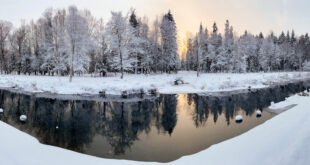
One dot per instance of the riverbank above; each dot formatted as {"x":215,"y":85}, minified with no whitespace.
{"x":281,"y":140}
{"x":162,"y":83}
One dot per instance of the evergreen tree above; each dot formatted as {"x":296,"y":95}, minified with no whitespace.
{"x":170,"y":59}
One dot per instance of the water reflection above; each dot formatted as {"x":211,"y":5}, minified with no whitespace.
{"x":161,"y":129}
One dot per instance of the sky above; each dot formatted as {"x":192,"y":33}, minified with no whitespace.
{"x":252,"y":15}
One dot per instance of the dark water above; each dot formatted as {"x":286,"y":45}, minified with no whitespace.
{"x":161,"y":129}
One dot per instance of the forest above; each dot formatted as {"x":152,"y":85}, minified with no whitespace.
{"x":74,"y":42}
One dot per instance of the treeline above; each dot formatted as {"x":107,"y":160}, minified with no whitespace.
{"x":67,"y":42}
{"x":72,"y":41}
{"x":212,"y":52}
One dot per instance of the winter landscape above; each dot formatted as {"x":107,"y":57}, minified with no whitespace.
{"x":151,"y":83}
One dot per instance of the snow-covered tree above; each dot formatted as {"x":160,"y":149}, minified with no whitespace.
{"x":73,"y":41}
{"x":225,"y":57}
{"x":5,"y":29}
{"x":146,"y":58}
{"x":37,"y":45}
{"x":77,"y":39}
{"x":170,"y":59}
{"x":101,"y":65}
{"x":135,"y":44}
{"x":215,"y":48}
{"x":118,"y":36}
{"x":59,"y":42}
{"x":198,"y":45}
{"x":55,"y":45}
{"x":206,"y":60}
{"x":19,"y":48}
{"x":267,"y":54}
{"x":190,"y":61}
{"x":49,"y":51}
{"x":155,"y":47}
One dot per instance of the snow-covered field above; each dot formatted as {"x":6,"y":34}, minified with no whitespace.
{"x":163,"y":83}
{"x":282,"y":140}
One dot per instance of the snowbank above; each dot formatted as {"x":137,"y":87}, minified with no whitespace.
{"x":164,"y":83}
{"x":282,"y":140}
{"x":289,"y":103}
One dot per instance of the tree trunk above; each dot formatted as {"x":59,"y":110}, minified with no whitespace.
{"x":136,"y":64}
{"x":198,"y":62}
{"x":71,"y":67}
{"x":122,"y":69}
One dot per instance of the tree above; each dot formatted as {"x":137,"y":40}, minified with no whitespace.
{"x":37,"y":45}
{"x":5,"y":29}
{"x":19,"y":46}
{"x":155,"y":48}
{"x":170,"y":57}
{"x":225,"y":56}
{"x":246,"y":52}
{"x":135,"y":43}
{"x":198,"y":44}
{"x":146,"y":59}
{"x":102,"y":65}
{"x":49,"y":51}
{"x":190,"y":54}
{"x":118,"y":39}
{"x":267,"y":54}
{"x":214,"y":48}
{"x":206,"y":60}
{"x":77,"y":37}
{"x":59,"y":42}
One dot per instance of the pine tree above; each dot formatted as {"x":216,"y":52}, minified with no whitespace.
{"x":190,"y":54}
{"x":225,"y":57}
{"x":214,"y":48}
{"x":170,"y":59}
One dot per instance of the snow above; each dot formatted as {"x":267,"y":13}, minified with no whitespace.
{"x":1,"y":110}
{"x":238,"y":118}
{"x":282,"y":140}
{"x":289,"y":103}
{"x":258,"y":112}
{"x":23,"y":118}
{"x":164,"y":83}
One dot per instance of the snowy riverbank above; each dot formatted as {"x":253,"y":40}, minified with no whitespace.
{"x":281,"y":140}
{"x":163,"y":83}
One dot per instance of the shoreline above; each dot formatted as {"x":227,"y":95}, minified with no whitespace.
{"x":132,"y":92}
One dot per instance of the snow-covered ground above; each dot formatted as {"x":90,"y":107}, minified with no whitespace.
{"x":285,"y":139}
{"x":163,"y":83}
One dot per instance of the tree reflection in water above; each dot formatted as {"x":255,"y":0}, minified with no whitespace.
{"x":73,"y":124}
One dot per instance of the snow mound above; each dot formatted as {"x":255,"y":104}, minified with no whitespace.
{"x":238,"y":118}
{"x":23,"y":118}
{"x":288,"y":103}
{"x":258,"y":112}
